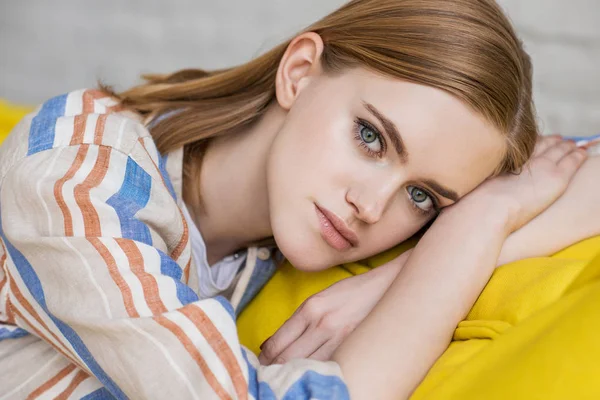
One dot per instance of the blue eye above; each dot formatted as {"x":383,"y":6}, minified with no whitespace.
{"x":367,"y":135}
{"x":420,"y":199}
{"x":369,"y":138}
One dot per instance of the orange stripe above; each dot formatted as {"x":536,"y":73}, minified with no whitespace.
{"x":186,"y":272}
{"x":184,"y":239}
{"x":116,"y":276}
{"x":89,"y":97}
{"x":176,"y":253}
{"x":51,"y":382}
{"x":2,"y":259}
{"x":79,"y":124}
{"x":88,"y":102}
{"x":10,"y":316}
{"x":195,"y":354}
{"x":58,"y":187}
{"x":79,"y":377}
{"x":3,"y":281}
{"x":91,"y":221}
{"x":219,"y":345}
{"x":99,"y":132}
{"x":149,"y":284}
{"x":3,"y":253}
{"x":29,"y":308}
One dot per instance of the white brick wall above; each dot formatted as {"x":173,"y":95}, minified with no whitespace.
{"x":129,"y":37}
{"x":563,"y":39}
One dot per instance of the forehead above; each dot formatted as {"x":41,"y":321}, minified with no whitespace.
{"x":447,"y":140}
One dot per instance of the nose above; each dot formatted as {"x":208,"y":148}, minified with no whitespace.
{"x":370,"y":202}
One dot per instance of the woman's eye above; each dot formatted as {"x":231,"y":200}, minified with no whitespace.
{"x":420,"y":199}
{"x":369,"y":139}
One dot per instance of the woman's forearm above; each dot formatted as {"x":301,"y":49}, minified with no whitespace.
{"x":386,"y":357}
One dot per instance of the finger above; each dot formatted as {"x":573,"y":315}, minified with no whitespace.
{"x":559,"y":150}
{"x":571,"y":162}
{"x":544,"y":142}
{"x":325,"y":352}
{"x":286,"y":335}
{"x":307,"y":344}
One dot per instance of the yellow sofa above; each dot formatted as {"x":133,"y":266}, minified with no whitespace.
{"x":10,"y":115}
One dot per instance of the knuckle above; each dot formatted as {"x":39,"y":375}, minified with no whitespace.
{"x":328,"y":325}
{"x":567,"y":145}
{"x":280,"y":360}
{"x":346,"y":330}
{"x":312,"y":308}
{"x":269,"y":349}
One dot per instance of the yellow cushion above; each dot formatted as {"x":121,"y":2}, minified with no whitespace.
{"x":10,"y":115}
{"x":533,"y":332}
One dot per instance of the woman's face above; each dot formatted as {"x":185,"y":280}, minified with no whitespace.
{"x":362,"y":162}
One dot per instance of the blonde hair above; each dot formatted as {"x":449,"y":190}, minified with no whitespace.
{"x":467,"y":48}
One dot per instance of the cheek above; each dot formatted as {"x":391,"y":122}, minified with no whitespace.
{"x":315,"y":155}
{"x":399,"y":225}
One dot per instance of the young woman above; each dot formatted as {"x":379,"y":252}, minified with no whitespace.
{"x":125,"y":216}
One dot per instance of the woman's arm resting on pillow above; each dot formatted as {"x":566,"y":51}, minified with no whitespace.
{"x":413,"y":323}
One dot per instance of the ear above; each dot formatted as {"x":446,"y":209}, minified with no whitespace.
{"x":300,"y":61}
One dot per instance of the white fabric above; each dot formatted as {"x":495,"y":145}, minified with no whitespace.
{"x":218,"y":278}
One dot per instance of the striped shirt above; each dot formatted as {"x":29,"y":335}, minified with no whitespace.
{"x":98,"y":290}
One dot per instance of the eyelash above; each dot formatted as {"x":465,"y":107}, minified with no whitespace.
{"x":434,"y":200}
{"x":361,"y":123}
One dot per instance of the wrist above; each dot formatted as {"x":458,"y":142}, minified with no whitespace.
{"x":489,"y":209}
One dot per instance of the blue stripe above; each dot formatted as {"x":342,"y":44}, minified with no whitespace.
{"x":131,"y":198}
{"x":260,"y":390}
{"x":100,"y":394}
{"x":263,"y":271}
{"x":12,"y":334}
{"x":226,"y":305}
{"x":577,"y":138}
{"x":34,"y":286}
{"x":170,"y":268}
{"x":162,"y":166}
{"x":313,"y":385}
{"x":42,"y":130}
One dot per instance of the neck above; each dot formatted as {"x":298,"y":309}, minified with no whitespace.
{"x":234,"y":208}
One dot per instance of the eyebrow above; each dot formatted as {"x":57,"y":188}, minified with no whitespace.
{"x":398,"y":143}
{"x":391,"y":130}
{"x":442,"y":190}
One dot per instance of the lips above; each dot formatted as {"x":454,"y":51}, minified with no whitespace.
{"x":335,"y":231}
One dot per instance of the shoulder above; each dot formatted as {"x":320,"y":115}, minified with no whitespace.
{"x":82,"y":117}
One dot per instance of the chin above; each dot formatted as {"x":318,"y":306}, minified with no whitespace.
{"x":303,"y":254}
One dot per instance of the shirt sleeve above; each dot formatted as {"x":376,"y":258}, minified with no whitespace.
{"x":92,"y":272}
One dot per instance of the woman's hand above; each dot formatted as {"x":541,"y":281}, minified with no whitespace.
{"x":543,"y":180}
{"x":324,"y":320}
{"x":575,"y":216}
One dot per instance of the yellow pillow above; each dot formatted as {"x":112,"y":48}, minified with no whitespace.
{"x":10,"y":115}
{"x":533,"y":332}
